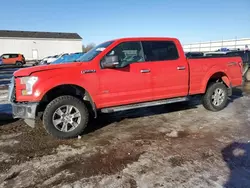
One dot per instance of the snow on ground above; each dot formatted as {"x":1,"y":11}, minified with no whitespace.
{"x":177,"y":145}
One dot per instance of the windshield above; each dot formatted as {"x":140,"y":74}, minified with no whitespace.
{"x":94,"y":52}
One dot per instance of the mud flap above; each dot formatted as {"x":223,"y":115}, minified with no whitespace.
{"x":230,"y":91}
{"x":30,"y":122}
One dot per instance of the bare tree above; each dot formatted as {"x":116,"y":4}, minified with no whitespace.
{"x":88,"y":47}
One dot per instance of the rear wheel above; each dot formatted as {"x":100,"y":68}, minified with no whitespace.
{"x":215,"y":98}
{"x":247,"y":75}
{"x":65,"y":117}
{"x":19,"y":64}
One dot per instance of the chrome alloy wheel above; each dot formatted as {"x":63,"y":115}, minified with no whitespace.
{"x":66,"y":118}
{"x":218,"y":97}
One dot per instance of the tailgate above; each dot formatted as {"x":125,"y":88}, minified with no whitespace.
{"x":235,"y":70}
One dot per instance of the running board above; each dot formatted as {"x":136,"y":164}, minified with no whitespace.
{"x":144,"y":104}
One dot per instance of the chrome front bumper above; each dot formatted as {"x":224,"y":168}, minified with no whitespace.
{"x":11,"y":91}
{"x":24,"y":110}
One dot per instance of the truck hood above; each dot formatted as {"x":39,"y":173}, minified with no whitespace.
{"x":28,"y":71}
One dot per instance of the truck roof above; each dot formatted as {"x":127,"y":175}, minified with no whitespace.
{"x":145,"y":38}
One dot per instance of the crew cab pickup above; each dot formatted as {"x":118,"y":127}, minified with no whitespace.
{"x":119,"y":75}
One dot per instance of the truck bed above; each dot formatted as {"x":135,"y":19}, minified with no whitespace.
{"x":202,"y":68}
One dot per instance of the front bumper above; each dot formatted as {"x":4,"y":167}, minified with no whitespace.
{"x":24,"y":110}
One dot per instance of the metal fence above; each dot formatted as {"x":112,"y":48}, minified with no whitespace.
{"x":211,"y":46}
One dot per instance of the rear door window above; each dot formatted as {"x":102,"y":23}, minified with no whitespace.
{"x":13,"y":55}
{"x":160,"y":50}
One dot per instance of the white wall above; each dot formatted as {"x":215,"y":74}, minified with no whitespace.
{"x":215,"y":45}
{"x":45,"y":47}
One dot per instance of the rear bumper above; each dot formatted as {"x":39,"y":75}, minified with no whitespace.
{"x":24,"y":110}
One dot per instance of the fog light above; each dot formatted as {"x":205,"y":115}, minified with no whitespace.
{"x":24,"y":92}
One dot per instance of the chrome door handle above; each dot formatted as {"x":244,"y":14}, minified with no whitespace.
{"x":145,"y":70}
{"x":181,"y":68}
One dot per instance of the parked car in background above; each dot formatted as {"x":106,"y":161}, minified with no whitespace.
{"x":215,"y":54}
{"x":42,"y":61}
{"x":13,"y":59}
{"x":68,"y":58}
{"x":119,"y":75}
{"x":49,"y":59}
{"x":52,"y":58}
{"x":194,"y":54}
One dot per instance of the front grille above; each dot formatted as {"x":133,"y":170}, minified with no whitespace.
{"x":12,"y":90}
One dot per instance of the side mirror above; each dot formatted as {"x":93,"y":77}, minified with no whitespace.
{"x":110,"y":61}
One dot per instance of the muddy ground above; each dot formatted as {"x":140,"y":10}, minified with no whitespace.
{"x":179,"y":145}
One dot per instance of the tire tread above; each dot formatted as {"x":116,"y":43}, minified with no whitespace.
{"x":206,"y":97}
{"x":46,"y":117}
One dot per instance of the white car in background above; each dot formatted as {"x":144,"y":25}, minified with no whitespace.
{"x":50,"y":59}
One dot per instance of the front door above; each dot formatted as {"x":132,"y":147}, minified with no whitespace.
{"x":130,"y":81}
{"x":170,"y":72}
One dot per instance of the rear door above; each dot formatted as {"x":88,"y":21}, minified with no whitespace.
{"x":14,"y":58}
{"x":170,"y":72}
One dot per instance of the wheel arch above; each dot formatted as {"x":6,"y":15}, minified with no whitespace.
{"x":68,"y":89}
{"x":219,"y":76}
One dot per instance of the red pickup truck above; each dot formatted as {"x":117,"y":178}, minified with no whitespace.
{"x":119,"y":75}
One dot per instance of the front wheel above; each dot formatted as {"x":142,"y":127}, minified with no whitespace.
{"x":215,"y":98}
{"x":65,"y":117}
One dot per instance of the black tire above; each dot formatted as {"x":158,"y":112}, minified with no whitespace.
{"x":54,"y":105}
{"x":19,"y":64}
{"x":207,"y":100}
{"x":247,"y":76}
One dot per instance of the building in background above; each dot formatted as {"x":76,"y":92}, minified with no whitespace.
{"x":211,"y":46}
{"x":37,"y":45}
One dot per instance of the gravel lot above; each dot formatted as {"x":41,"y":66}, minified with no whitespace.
{"x":178,"y":145}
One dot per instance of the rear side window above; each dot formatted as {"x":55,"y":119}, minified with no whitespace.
{"x":5,"y":56}
{"x":159,"y":50}
{"x":13,"y":55}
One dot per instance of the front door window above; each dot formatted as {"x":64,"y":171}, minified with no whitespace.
{"x":128,"y":52}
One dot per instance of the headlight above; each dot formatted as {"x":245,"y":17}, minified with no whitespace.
{"x":29,"y":83}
